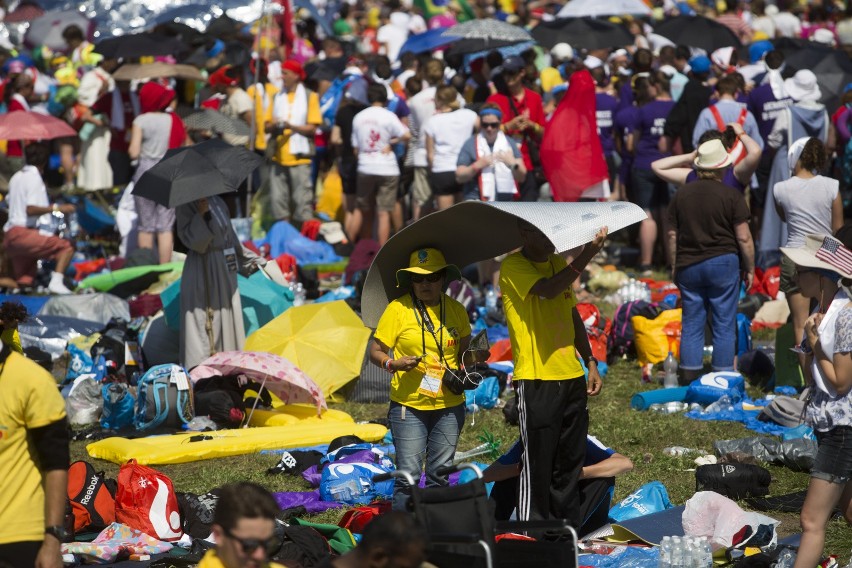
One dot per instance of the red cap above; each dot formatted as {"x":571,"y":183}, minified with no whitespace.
{"x":153,"y":97}
{"x":295,"y":67}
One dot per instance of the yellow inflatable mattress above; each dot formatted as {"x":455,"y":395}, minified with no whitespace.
{"x":294,"y":414}
{"x":195,"y":446}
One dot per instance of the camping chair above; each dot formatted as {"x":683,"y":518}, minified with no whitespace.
{"x":460,"y":523}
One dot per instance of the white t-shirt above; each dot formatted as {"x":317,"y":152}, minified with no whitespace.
{"x":450,"y":130}
{"x":422,"y":107}
{"x":237,"y":104}
{"x":787,"y":25}
{"x":393,"y":34}
{"x":25,"y":188}
{"x":372,"y":130}
{"x":807,"y":206}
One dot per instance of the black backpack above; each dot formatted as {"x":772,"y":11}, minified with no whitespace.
{"x":733,"y":480}
{"x":197,"y":512}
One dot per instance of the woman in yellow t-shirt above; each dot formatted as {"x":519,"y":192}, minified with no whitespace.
{"x":428,"y":332}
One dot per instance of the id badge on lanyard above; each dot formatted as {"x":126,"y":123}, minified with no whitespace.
{"x":430,"y":384}
{"x":230,"y":258}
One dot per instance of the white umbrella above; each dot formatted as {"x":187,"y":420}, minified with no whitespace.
{"x":594,"y":8}
{"x":489,"y":30}
{"x":474,"y":230}
{"x":47,"y":29}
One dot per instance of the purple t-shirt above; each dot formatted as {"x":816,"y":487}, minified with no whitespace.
{"x":728,"y":179}
{"x":650,"y":123}
{"x":624,"y":123}
{"x":766,"y":108}
{"x":625,"y":96}
{"x":605,"y":115}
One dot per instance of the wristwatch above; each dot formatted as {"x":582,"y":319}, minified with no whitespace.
{"x":589,"y":360}
{"x":59,"y":532}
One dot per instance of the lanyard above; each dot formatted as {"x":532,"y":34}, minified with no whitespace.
{"x":425,"y":323}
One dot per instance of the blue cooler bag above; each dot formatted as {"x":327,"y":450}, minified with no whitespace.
{"x":713,"y":386}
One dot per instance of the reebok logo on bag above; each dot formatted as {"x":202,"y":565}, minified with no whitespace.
{"x":146,"y":501}
{"x":92,"y":497}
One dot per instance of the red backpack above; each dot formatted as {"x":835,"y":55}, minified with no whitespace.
{"x":92,"y":497}
{"x":598,"y":328}
{"x":146,"y":501}
{"x":356,"y":519}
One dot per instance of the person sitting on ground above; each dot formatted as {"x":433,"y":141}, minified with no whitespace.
{"x":392,"y":540}
{"x":25,"y":244}
{"x":12,"y":314}
{"x":597,"y":482}
{"x":244,"y":528}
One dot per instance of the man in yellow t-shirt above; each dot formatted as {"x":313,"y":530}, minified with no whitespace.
{"x":244,"y":528}
{"x":295,"y":119}
{"x":546,"y":333}
{"x":33,"y":465}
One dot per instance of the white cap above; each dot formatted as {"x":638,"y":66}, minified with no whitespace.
{"x":332,"y":233}
{"x":592,"y":62}
{"x":824,"y":36}
{"x":562,"y":51}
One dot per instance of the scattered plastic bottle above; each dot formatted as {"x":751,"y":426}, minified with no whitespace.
{"x":724,"y":404}
{"x":670,"y":368}
{"x":786,"y":559}
{"x":669,"y":407}
{"x":200,"y":424}
{"x":298,"y":293}
{"x":676,"y":451}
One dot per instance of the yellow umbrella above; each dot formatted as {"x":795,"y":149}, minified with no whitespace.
{"x":325,"y":340}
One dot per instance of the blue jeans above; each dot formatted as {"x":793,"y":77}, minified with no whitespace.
{"x":710,"y":285}
{"x":433,"y":433}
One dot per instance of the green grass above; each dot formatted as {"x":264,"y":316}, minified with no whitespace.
{"x":639,"y":435}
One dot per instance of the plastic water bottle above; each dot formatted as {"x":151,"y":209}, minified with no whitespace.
{"x":298,"y":294}
{"x":786,"y":559}
{"x":724,"y":404}
{"x":665,"y":553}
{"x":706,"y":553}
{"x":491,"y":301}
{"x":677,"y":451}
{"x":669,"y":407}
{"x":670,"y":368}
{"x":677,"y":553}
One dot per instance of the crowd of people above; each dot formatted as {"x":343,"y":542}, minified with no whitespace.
{"x":732,"y":156}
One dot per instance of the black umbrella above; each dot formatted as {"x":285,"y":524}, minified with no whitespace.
{"x":584,"y":33}
{"x":193,"y":172}
{"x":697,"y":31}
{"x":832,"y":68}
{"x":139,"y":45}
{"x":475,"y":45}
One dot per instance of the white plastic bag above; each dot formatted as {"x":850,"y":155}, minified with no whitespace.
{"x":718,"y":518}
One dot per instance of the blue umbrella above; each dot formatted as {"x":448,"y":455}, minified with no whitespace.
{"x":427,"y":41}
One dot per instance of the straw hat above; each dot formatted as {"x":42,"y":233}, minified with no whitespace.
{"x":712,"y":155}
{"x":426,"y":261}
{"x":822,"y":252}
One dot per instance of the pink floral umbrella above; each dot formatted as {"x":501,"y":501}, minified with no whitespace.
{"x":273,"y":372}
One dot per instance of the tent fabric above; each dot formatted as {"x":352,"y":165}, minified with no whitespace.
{"x":327,"y":341}
{"x":262,"y":300}
{"x":33,"y":304}
{"x":99,"y":307}
{"x":52,"y":333}
{"x":284,"y":238}
{"x":106,"y":281}
{"x":160,"y":343}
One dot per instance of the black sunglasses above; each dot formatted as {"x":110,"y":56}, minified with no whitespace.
{"x":270,"y":545}
{"x":490,"y":125}
{"x":434,"y":277}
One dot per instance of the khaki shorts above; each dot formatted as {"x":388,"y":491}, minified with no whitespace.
{"x":421,"y":192}
{"x":788,"y":283}
{"x":376,"y":192}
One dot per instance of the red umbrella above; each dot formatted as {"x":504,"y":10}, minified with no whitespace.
{"x":28,"y":125}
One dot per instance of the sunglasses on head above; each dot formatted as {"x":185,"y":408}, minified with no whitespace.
{"x":488,"y":125}
{"x":434,"y":277}
{"x":270,"y":545}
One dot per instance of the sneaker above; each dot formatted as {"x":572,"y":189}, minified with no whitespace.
{"x":56,"y":286}
{"x":646,"y":270}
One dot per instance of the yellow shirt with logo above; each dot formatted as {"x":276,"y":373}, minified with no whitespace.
{"x":28,"y":399}
{"x":399,"y":328}
{"x":211,"y":560}
{"x":262,"y":111}
{"x":282,"y":152}
{"x":541,"y":330}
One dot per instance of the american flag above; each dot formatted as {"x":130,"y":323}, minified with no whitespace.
{"x":835,"y":254}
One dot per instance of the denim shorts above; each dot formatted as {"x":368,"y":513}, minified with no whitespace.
{"x":834,"y":457}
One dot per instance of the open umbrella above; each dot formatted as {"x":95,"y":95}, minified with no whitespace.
{"x":134,"y":46}
{"x":25,"y":12}
{"x":585,"y":33}
{"x":47,"y":29}
{"x":427,"y":41}
{"x":326,"y":340}
{"x":131,"y":71}
{"x":277,"y":374}
{"x":593,"y":8}
{"x":28,"y":125}
{"x":697,"y":31}
{"x":215,"y":121}
{"x":480,"y":35}
{"x":832,"y":68}
{"x":192,"y":172}
{"x":474,"y":230}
